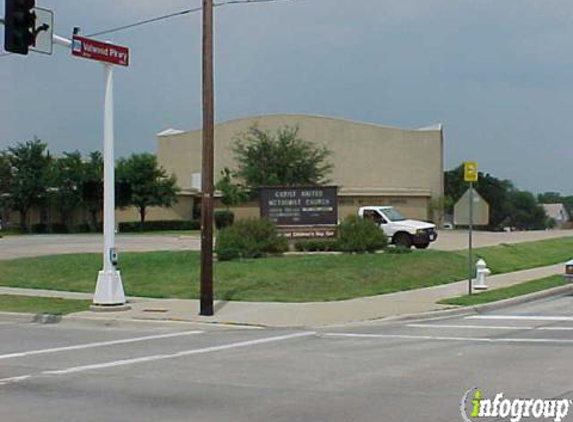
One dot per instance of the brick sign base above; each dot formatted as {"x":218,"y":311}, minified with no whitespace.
{"x":307,"y":232}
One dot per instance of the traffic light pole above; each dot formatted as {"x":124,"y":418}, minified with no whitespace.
{"x":206,"y":301}
{"x":109,"y":292}
{"x":109,"y":288}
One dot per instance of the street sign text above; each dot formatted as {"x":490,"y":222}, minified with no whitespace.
{"x":101,"y":51}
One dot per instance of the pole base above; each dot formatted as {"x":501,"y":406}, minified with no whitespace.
{"x":109,"y":289}
{"x":480,"y":287}
{"x":109,"y":308}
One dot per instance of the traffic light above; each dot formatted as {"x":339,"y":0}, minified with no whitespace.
{"x":19,"y":26}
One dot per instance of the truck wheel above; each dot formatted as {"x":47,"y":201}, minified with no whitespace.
{"x":403,"y":239}
{"x":422,"y":245}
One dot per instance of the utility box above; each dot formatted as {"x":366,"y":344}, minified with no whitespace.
{"x":569,"y":270}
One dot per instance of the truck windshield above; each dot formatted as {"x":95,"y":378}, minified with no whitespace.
{"x":393,"y":215}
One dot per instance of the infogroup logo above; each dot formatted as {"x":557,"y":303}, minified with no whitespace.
{"x":475,"y":407}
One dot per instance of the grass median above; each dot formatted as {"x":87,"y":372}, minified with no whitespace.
{"x":37,"y":305}
{"x":305,"y":278}
{"x":507,"y":292}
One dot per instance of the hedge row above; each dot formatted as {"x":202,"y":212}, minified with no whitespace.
{"x":59,"y":228}
{"x":127,"y":227}
{"x":257,"y":238}
{"x":135,"y":226}
{"x":327,"y":245}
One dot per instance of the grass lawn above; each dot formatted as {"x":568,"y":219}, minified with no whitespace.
{"x":507,"y":258}
{"x":36,"y":305}
{"x":507,"y":292}
{"x":289,"y":278}
{"x":284,"y":279}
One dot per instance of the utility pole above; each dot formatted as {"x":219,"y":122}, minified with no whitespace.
{"x":207,"y":164}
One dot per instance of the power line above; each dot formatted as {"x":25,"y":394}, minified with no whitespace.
{"x":171,"y":15}
{"x":181,"y":13}
{"x":146,"y":21}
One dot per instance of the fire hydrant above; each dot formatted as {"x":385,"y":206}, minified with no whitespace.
{"x":482,"y":271}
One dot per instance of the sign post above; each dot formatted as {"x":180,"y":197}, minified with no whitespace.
{"x":109,"y":292}
{"x":471,"y":176}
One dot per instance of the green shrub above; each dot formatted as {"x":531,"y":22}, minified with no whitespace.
{"x":82,"y":228}
{"x":399,"y":250}
{"x":39,"y":228}
{"x":224,"y":218}
{"x":251,"y":238}
{"x":356,"y":234}
{"x":134,"y":226}
{"x":58,"y":228}
{"x":312,"y":245}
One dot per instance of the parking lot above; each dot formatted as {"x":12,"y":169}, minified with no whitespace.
{"x":415,"y":370}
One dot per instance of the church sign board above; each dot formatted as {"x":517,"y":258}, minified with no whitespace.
{"x":301,"y":211}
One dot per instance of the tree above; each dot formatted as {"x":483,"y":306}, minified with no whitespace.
{"x":150,"y":184}
{"x":279,"y":158}
{"x":67,"y":179}
{"x":495,"y":191}
{"x":5,"y":183}
{"x":231,"y":193}
{"x":92,"y":187}
{"x":29,"y":165}
{"x":526,"y":213}
{"x":508,"y":206}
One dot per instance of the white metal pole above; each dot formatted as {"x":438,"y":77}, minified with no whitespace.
{"x":109,"y":288}
{"x":108,"y":171}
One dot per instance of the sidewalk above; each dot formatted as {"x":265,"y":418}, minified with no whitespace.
{"x":312,"y":314}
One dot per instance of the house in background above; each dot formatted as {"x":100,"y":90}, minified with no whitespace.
{"x":559,"y":213}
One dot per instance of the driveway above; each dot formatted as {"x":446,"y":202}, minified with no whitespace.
{"x":36,"y":245}
{"x":451,"y":240}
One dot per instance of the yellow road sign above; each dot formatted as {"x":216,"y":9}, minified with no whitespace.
{"x":470,"y":171}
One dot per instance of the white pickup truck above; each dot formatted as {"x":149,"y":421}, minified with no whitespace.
{"x":400,"y":231}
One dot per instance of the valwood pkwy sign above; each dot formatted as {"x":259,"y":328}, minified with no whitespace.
{"x":100,"y":51}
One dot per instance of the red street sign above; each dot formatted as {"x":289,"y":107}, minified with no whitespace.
{"x":97,"y":50}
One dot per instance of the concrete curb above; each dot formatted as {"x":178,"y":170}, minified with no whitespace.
{"x":478,"y":309}
{"x":149,"y":323}
{"x":126,"y":323}
{"x":16,"y":317}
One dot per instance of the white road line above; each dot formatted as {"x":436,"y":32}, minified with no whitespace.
{"x":521,"y":317}
{"x":98,"y":344}
{"x":152,"y":358}
{"x":471,"y":327}
{"x":556,"y":328}
{"x":442,"y":338}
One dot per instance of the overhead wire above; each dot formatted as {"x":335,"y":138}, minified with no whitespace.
{"x":172,"y":15}
{"x":181,"y":13}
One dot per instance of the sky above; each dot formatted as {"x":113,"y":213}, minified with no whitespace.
{"x":498,"y":74}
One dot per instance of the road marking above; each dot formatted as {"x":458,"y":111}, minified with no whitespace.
{"x":153,"y":358}
{"x":442,"y":338}
{"x":98,"y":344}
{"x":521,"y":317}
{"x":556,"y":328}
{"x":471,"y":327}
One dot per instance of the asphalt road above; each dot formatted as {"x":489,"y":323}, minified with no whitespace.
{"x":26,"y":246}
{"x":410,"y":371}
